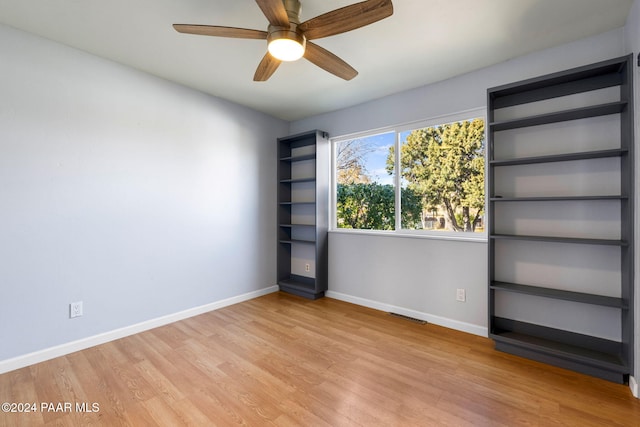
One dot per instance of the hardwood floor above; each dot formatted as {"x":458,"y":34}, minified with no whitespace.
{"x":282,"y":360}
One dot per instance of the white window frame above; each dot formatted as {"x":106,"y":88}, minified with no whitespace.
{"x":398,"y":129}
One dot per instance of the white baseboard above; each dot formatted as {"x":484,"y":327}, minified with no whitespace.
{"x":71,"y":347}
{"x":436,"y":320}
{"x":633,"y":385}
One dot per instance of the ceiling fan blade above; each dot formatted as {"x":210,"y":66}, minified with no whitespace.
{"x":346,"y":19}
{"x":212,"y":30}
{"x":266,"y":68}
{"x":275,"y":12}
{"x":329,"y":62}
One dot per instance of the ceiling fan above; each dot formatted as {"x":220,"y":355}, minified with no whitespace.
{"x":288,"y":38}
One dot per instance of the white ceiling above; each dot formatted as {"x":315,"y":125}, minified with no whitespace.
{"x":423,"y":42}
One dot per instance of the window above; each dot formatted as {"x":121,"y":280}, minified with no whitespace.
{"x":427,"y":177}
{"x":365,"y":190}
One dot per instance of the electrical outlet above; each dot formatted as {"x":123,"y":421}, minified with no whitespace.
{"x":461,"y":295}
{"x":307,"y":267}
{"x":75,"y":309}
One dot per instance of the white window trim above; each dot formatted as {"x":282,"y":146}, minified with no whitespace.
{"x":397,"y":129}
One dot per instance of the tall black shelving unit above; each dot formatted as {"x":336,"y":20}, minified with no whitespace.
{"x":303,"y":213}
{"x":560,"y":195}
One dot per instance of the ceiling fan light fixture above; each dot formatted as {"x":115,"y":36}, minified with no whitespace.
{"x":286,"y":45}
{"x":287,"y":37}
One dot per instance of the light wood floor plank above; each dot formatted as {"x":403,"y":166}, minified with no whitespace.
{"x":280,"y":360}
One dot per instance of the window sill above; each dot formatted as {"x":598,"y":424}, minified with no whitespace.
{"x":480,"y":238}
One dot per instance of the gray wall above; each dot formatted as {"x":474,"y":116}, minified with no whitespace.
{"x":137,"y":196}
{"x":420,"y":276}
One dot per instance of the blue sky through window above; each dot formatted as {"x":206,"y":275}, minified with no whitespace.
{"x":376,"y":158}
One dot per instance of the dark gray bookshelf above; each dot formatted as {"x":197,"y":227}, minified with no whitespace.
{"x":611,"y":359}
{"x":303,"y":183}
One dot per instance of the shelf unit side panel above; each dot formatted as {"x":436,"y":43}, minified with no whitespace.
{"x":323,"y":184}
{"x":628,"y":214}
{"x":284,"y":261}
